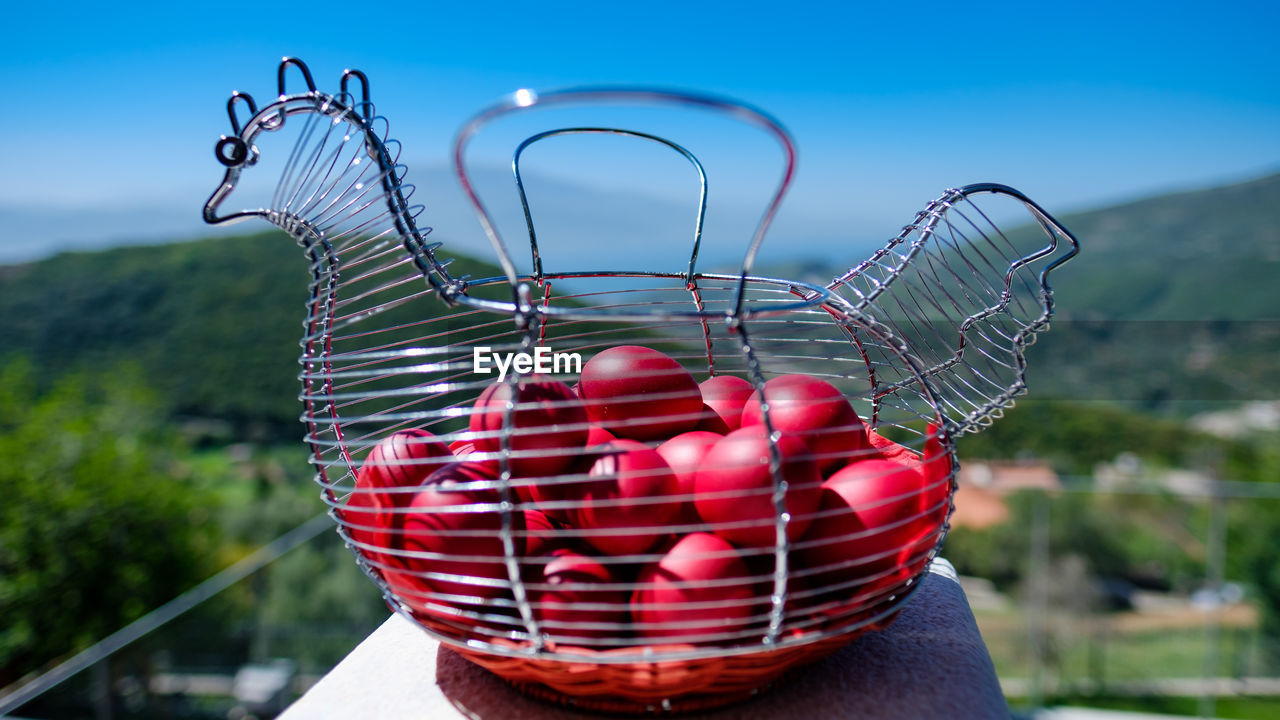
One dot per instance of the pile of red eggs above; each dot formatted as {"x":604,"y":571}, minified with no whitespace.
{"x":641,"y":507}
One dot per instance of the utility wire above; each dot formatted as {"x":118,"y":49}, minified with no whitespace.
{"x":263,"y":556}
{"x":1086,"y":485}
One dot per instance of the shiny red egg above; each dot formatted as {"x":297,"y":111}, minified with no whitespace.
{"x":639,"y":393}
{"x":387,"y":479}
{"x":815,"y":411}
{"x":685,"y":453}
{"x":400,"y":462}
{"x":709,"y":421}
{"x":627,"y":500}
{"x":700,"y":587}
{"x":726,"y":395}
{"x":871,"y":512}
{"x":450,"y":528}
{"x":734,"y":487}
{"x":577,"y":596}
{"x":548,"y":425}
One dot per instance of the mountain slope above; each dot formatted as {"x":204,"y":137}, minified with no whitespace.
{"x":1200,"y":255}
{"x":214,"y":324}
{"x":1170,"y":306}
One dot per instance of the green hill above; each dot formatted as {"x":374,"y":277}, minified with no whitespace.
{"x":1170,"y":306}
{"x":1202,"y":255}
{"x":213,"y":324}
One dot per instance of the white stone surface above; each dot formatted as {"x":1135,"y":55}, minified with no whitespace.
{"x":930,"y":663}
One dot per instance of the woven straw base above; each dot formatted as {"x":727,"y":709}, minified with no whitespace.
{"x":669,"y":686}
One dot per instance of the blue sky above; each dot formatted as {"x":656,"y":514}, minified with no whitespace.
{"x":1078,"y":105}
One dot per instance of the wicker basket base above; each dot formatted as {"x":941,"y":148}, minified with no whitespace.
{"x":622,"y":706}
{"x":669,"y":686}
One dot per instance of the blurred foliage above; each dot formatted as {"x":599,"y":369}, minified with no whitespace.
{"x":1255,"y":542}
{"x":314,"y":604}
{"x":1075,"y":437}
{"x":1173,"y":368}
{"x":1147,"y":539}
{"x":1156,"y":541}
{"x":1170,"y":306}
{"x":98,"y":525}
{"x":109,"y":513}
{"x":1231,"y":706}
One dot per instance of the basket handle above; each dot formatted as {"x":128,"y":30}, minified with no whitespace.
{"x":522,"y":100}
{"x":524,"y":200}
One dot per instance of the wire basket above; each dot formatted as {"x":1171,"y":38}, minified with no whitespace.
{"x":681,"y":484}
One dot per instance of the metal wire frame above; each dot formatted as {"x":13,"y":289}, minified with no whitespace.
{"x":363,"y":380}
{"x":764,"y":345}
{"x":965,"y":297}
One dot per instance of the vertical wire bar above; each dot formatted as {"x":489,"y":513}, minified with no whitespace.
{"x":782,"y":546}
{"x":1037,"y":610}
{"x":1216,"y":576}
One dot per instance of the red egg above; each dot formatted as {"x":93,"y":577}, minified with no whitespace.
{"x":871,"y":512}
{"x":700,"y":587}
{"x":597,"y":441}
{"x":734,"y":487}
{"x":558,"y":496}
{"x":400,"y":462}
{"x":460,"y":527}
{"x":935,"y":464}
{"x":709,"y":421}
{"x":936,"y":469}
{"x":364,"y":521}
{"x":542,"y":533}
{"x":576,"y":596}
{"x":387,"y":478}
{"x":627,"y":499}
{"x":548,"y":428}
{"x":726,"y":395}
{"x":466,"y":450}
{"x":684,"y":453}
{"x":639,"y":393}
{"x":815,"y":411}
{"x":597,"y":435}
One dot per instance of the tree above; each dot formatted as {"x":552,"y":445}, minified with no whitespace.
{"x":98,"y":524}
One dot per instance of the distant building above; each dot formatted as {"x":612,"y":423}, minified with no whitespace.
{"x":1254,"y":417}
{"x":1127,"y":472}
{"x":983,"y":484}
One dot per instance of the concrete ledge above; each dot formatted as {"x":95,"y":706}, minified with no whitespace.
{"x":931,"y":663}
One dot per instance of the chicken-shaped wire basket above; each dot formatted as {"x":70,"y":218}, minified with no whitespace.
{"x":738,"y":475}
